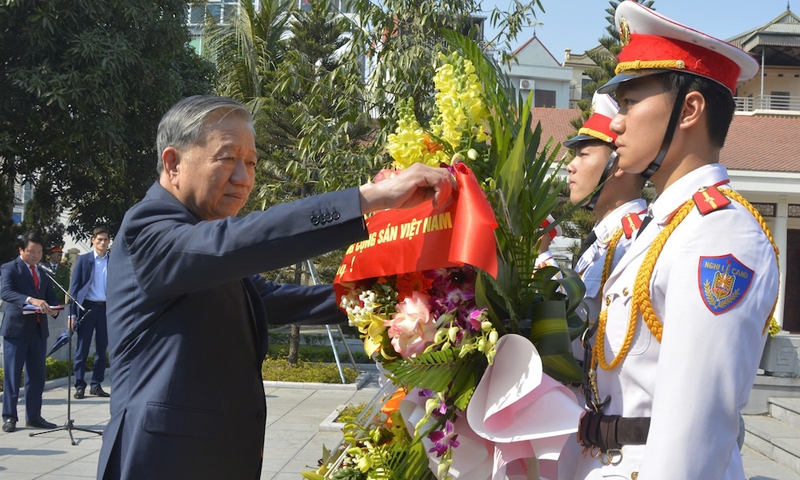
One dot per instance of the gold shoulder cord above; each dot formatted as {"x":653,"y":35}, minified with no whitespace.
{"x":641,"y":301}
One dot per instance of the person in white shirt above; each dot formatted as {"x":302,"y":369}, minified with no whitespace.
{"x":89,"y":289}
{"x":596,"y":183}
{"x":685,"y":313}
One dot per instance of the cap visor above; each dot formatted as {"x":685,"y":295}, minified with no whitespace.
{"x":612,"y":84}
{"x":574,"y":141}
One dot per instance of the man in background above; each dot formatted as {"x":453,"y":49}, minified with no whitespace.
{"x":60,"y":272}
{"x":89,"y":290}
{"x":25,"y":334}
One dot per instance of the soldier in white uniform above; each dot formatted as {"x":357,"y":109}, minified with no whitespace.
{"x":678,"y":346}
{"x":617,"y":204}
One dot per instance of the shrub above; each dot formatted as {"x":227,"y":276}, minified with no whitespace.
{"x":350,"y":413}
{"x":311,"y":353}
{"x":280,"y":370}
{"x":55,"y":368}
{"x":90,"y":362}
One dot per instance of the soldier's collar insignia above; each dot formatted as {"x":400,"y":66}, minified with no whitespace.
{"x":630,"y":224}
{"x":709,"y":199}
{"x":724,"y":282}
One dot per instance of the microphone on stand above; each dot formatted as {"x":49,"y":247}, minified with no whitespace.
{"x":47,"y":269}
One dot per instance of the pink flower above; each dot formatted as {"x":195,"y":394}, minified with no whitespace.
{"x":412,"y":328}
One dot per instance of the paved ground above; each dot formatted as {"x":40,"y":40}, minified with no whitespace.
{"x":293,"y":439}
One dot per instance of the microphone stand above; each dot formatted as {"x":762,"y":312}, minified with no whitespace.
{"x":69,"y":424}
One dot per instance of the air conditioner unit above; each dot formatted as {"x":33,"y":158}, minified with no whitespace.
{"x":526,"y":84}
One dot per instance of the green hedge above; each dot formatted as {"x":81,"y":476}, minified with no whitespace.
{"x":281,"y":370}
{"x":316,"y":364}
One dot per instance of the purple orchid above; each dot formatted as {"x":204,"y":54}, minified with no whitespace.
{"x":444,"y":440}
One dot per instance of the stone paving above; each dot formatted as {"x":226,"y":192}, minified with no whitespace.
{"x":293,"y":439}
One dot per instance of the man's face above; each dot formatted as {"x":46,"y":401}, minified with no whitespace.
{"x":215,"y":175}
{"x":100,"y":242}
{"x":586,"y":169}
{"x":55,"y":258}
{"x":644,"y":111}
{"x":31,"y":254}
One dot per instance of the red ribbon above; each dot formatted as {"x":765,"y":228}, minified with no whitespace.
{"x":426,"y":238}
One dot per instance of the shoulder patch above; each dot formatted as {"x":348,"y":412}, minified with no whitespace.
{"x":630,"y":224}
{"x":723,"y":282}
{"x":709,"y":199}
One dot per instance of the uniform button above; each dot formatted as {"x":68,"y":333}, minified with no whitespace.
{"x":608,"y":300}
{"x":336,"y":215}
{"x":625,"y":291}
{"x":314,"y":220}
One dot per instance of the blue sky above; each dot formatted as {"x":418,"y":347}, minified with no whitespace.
{"x":577,"y":24}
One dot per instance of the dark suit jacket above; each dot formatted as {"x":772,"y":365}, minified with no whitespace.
{"x":81,"y":279}
{"x":187,"y":329}
{"x":17,"y":286}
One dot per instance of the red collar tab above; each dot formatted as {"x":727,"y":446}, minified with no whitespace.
{"x":630,"y":224}
{"x":708,"y":199}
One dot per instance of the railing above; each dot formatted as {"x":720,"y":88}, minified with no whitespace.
{"x":767,"y":102}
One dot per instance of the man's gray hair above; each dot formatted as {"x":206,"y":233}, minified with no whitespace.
{"x":183,"y":124}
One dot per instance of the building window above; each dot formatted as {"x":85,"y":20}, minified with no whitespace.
{"x":765,"y":209}
{"x":584,"y":93}
{"x":221,"y":10}
{"x":794,"y":210}
{"x":544,"y":98}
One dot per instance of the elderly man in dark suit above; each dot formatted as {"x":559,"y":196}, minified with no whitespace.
{"x":25,"y":335}
{"x":187,"y":312}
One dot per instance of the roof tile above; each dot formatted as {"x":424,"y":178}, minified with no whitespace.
{"x":755,"y":143}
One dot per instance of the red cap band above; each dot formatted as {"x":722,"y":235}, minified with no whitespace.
{"x":698,"y":60}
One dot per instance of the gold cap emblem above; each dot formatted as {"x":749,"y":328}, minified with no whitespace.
{"x":624,"y":32}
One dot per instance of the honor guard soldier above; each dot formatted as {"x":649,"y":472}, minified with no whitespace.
{"x":679,"y":340}
{"x":596,"y":183}
{"x":616,"y":200}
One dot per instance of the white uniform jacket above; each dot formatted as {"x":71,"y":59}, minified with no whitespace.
{"x":696,"y":380}
{"x":590,"y":265}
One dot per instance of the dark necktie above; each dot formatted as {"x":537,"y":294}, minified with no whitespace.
{"x":645,"y":222}
{"x":587,"y":242}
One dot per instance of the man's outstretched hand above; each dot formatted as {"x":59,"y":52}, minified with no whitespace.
{"x":408,"y":188}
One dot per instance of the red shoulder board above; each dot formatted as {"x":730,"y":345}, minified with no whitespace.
{"x":709,"y":199}
{"x":630,"y":224}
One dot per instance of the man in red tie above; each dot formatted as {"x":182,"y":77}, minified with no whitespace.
{"x":25,"y":335}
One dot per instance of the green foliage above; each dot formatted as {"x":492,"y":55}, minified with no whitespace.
{"x":84,"y":85}
{"x":315,"y":353}
{"x":443,"y":370}
{"x":1,"y":379}
{"x":411,"y":464}
{"x":280,"y":370}
{"x":393,"y":50}
{"x":522,"y":192}
{"x":55,"y":368}
{"x":351,"y":412}
{"x":90,"y":362}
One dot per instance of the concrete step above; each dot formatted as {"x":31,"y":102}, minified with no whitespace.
{"x":786,"y":410}
{"x":759,"y":467}
{"x":774,"y":439}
